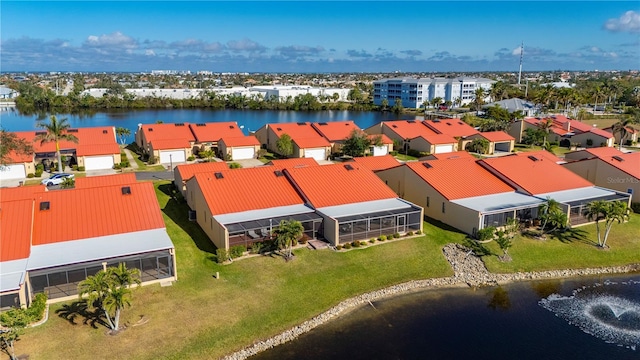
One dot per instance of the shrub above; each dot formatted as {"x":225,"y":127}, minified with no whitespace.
{"x":413,"y":152}
{"x":393,"y":153}
{"x":396,"y":236}
{"x":124,"y":164}
{"x":410,"y":233}
{"x":36,"y":310}
{"x":236,"y":251}
{"x":234,"y":165}
{"x":80,"y":168}
{"x":390,"y":236}
{"x":191,"y":158}
{"x":30,"y":175}
{"x":418,"y":232}
{"x":486,"y":233}
{"x":589,"y":142}
{"x":302,"y":240}
{"x":40,"y":167}
{"x":256,"y":247}
{"x":116,"y":166}
{"x":222,"y":255}
{"x":383,"y":238}
{"x":74,"y":167}
{"x":261,"y":153}
{"x":338,"y":247}
{"x":347,"y":246}
{"x":372,"y":240}
{"x":151,"y":160}
{"x":38,"y":172}
{"x":356,"y":243}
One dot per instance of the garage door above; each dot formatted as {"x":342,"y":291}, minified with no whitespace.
{"x":379,"y":150}
{"x":444,"y":149}
{"x":177,"y":156}
{"x":12,"y":172}
{"x":98,"y":162}
{"x":317,"y":154}
{"x":242,"y":153}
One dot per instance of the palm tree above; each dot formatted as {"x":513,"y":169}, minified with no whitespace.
{"x":547,"y":208}
{"x":545,"y":125}
{"x":117,"y":299}
{"x":609,"y":211}
{"x":56,"y":131}
{"x":621,"y":128}
{"x":124,"y":276}
{"x":96,"y":287}
{"x":285,"y":145}
{"x":122,"y":134}
{"x":286,"y":233}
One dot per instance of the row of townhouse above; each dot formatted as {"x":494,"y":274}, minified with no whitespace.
{"x":52,"y":240}
{"x":565,"y":131}
{"x":414,"y":92}
{"x":96,"y":149}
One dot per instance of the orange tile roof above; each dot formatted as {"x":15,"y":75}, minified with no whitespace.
{"x":458,"y":178}
{"x":629,"y":163}
{"x":214,"y":131}
{"x":167,"y":131}
{"x":188,"y":170}
{"x":313,"y":142}
{"x":294,"y":162}
{"x":97,"y":149}
{"x":331,"y":185}
{"x":295,"y":130}
{"x":375,"y":163}
{"x":384,"y":138}
{"x":604,"y":151}
{"x":600,"y":132}
{"x":453,"y":155}
{"x":497,"y":136}
{"x":92,"y":212}
{"x":451,"y":127}
{"x":408,"y":129}
{"x":541,"y":153}
{"x":336,"y":130}
{"x":15,"y":158}
{"x":534,"y":174}
{"x":20,"y":192}
{"x":169,"y":144}
{"x":105,"y":180}
{"x":15,"y":232}
{"x":87,"y":137}
{"x":246,"y":189}
{"x":232,"y":141}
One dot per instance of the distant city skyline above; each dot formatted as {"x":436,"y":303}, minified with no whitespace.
{"x":327,"y":36}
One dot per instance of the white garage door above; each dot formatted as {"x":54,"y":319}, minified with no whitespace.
{"x":444,"y":149}
{"x":12,"y":172}
{"x":177,"y":156}
{"x":242,"y":153}
{"x":317,"y":154}
{"x":98,"y":162}
{"x":379,"y":150}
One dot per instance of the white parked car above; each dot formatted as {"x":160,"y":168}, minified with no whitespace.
{"x":56,"y":179}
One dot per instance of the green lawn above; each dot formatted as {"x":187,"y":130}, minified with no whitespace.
{"x":574,"y":249}
{"x":201,"y":317}
{"x":403,"y":157}
{"x":557,"y":150}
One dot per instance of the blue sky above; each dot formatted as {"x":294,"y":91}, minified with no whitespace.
{"x":325,"y":36}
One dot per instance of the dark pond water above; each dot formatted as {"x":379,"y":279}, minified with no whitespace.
{"x":251,"y":120}
{"x":509,"y":322}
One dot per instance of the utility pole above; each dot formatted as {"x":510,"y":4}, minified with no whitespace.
{"x":521,"y":53}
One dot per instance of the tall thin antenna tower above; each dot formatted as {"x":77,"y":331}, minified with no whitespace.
{"x":521,"y":53}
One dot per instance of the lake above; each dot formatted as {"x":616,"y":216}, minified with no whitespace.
{"x":508,"y":322}
{"x":12,"y":120}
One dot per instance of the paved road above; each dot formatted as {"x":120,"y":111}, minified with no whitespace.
{"x":154,"y":175}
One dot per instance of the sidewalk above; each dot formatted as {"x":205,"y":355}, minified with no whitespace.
{"x":132,"y":161}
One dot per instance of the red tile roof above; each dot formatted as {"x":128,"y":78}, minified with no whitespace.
{"x":453,"y":155}
{"x":214,"y":131}
{"x":306,"y":143}
{"x":105,"y":180}
{"x":627,"y":162}
{"x":383,"y":138}
{"x":542,"y":153}
{"x":458,"y":178}
{"x":167,"y":131}
{"x":534,"y":174}
{"x":408,"y":129}
{"x":93,"y":212}
{"x":336,"y":130}
{"x":600,"y":132}
{"x":451,"y":127}
{"x":293,"y":162}
{"x":497,"y":136}
{"x":246,"y":189}
{"x":20,"y":192}
{"x":297,"y":131}
{"x":97,"y":149}
{"x":91,"y":141}
{"x":14,"y":158}
{"x":331,"y":185}
{"x":15,"y":232}
{"x":169,"y":144}
{"x":240,"y":141}
{"x":604,"y":151}
{"x":188,"y":170}
{"x":375,"y":163}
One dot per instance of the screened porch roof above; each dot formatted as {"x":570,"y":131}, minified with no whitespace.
{"x":259,"y":214}
{"x":575,"y":196}
{"x":368,"y":209}
{"x":12,"y":274}
{"x":271,"y":222}
{"x":103,"y":247}
{"x":499,"y":202}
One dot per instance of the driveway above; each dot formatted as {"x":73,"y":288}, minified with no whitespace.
{"x":154,"y":175}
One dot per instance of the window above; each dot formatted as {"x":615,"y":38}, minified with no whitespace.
{"x":443,"y":207}
{"x":428,"y":201}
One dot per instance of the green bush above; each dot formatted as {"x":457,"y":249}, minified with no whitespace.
{"x":80,"y":168}
{"x":383,"y":238}
{"x":222,"y":255}
{"x":486,"y":233}
{"x":40,"y":167}
{"x":31,"y":175}
{"x":390,"y":236}
{"x":393,"y":153}
{"x":234,"y":165}
{"x":261,"y":153}
{"x":418,"y":232}
{"x":338,"y":247}
{"x":413,"y":152}
{"x":396,"y":235}
{"x":36,"y":310}
{"x":116,"y":166}
{"x":124,"y":164}
{"x":410,"y":233}
{"x":256,"y":247}
{"x":191,"y":158}
{"x":356,"y":243}
{"x":151,"y":160}
{"x":38,"y":172}
{"x":347,"y":246}
{"x":74,"y":167}
{"x":237,"y":251}
{"x":372,"y":240}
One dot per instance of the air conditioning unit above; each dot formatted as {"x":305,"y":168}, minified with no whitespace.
{"x":192,"y":215}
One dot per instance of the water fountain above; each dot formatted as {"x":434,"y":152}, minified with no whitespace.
{"x":599,"y":311}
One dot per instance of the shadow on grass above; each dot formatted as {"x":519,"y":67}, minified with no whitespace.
{"x":178,"y":211}
{"x":80,"y":309}
{"x":441,"y":225}
{"x":573,"y":235}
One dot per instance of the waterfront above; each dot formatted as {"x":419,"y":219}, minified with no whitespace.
{"x":488,"y":323}
{"x":250,"y":120}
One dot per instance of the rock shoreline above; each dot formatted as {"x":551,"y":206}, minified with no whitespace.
{"x":468,"y":270}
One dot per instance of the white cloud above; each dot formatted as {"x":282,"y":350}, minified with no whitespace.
{"x":113,"y":40}
{"x":627,"y":22}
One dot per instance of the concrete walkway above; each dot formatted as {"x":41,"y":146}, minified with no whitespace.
{"x":132,"y":161}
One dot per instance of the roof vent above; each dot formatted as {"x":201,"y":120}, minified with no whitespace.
{"x":322,"y":123}
{"x":302,"y":123}
{"x":427,"y":165}
{"x":533,"y":158}
{"x":231,"y":127}
{"x":348,"y":167}
{"x":394,"y":126}
{"x":279,"y":129}
{"x":41,"y":133}
{"x":150,"y":129}
{"x":126,"y":190}
{"x":459,"y":122}
{"x":449,"y":123}
{"x":411,"y":121}
{"x":44,"y":205}
{"x":201,"y":124}
{"x":179,"y":124}
{"x":618,"y":158}
{"x":72,"y":130}
{"x":218,"y":175}
{"x":436,"y":121}
{"x":105,"y":131}
{"x":278,"y":173}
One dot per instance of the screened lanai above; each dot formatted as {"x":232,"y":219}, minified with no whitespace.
{"x":496,"y":209}
{"x":577,"y":199}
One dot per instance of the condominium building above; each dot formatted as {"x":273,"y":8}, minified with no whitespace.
{"x":415,"y":92}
